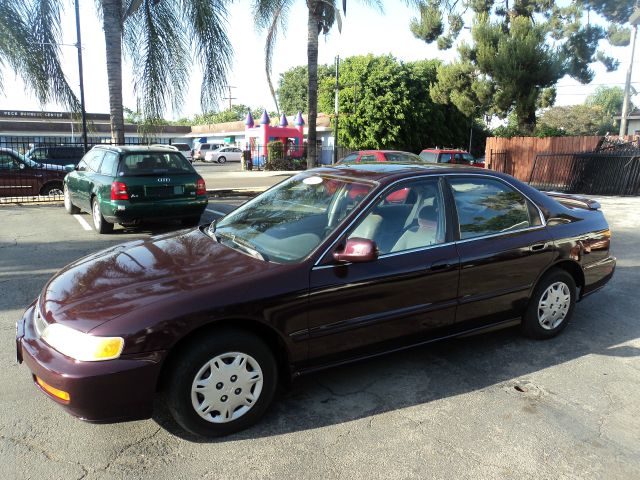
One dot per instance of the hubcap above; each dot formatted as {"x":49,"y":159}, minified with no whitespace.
{"x":554,"y":305}
{"x":55,"y":191}
{"x":226,"y":387}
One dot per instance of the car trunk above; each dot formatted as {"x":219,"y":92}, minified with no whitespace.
{"x":154,"y":187}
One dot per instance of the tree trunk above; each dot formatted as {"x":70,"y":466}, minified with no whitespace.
{"x":312,"y":63}
{"x":112,"y":25}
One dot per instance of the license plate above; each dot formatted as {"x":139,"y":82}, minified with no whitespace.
{"x":165,"y":191}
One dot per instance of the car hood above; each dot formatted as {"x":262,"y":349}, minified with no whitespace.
{"x":127,"y":277}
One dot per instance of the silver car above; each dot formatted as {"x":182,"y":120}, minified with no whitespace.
{"x":224,"y":154}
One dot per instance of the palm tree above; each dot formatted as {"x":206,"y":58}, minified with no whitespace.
{"x":159,"y":36}
{"x":29,"y":45}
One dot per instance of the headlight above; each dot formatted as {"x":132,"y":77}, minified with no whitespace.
{"x":82,"y":346}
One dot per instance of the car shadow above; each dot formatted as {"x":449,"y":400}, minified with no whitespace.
{"x":398,"y":381}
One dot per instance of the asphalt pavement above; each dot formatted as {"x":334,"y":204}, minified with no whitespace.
{"x":483,"y":407}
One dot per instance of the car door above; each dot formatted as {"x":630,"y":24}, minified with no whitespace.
{"x":503,"y":247}
{"x":236,"y":154}
{"x":86,"y":178}
{"x":18,"y":178}
{"x":405,"y":296}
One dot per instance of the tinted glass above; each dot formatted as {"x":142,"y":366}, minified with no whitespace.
{"x":7,"y":162}
{"x":38,"y":154}
{"x":402,"y":157}
{"x":444,"y":158}
{"x":429,"y":157}
{"x":151,"y":163}
{"x":463,"y":158}
{"x":287,"y":222}
{"x":93,"y":159}
{"x":109,"y":164}
{"x":487,"y":207}
{"x":352,"y":157}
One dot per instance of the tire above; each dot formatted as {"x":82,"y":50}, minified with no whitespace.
{"x":68,"y":205}
{"x":99,"y":223}
{"x":551,"y":305}
{"x":190,"y":221}
{"x":222,"y":159}
{"x":192,"y":368}
{"x":52,"y":189}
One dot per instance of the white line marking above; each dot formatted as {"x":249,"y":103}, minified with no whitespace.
{"x":215,"y":211}
{"x":83,"y":223}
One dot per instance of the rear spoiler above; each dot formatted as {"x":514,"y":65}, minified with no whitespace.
{"x":574,"y":201}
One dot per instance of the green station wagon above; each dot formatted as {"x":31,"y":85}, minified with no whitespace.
{"x":128,"y":184}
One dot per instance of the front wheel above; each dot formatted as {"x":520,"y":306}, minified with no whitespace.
{"x":551,"y":305}
{"x":222,"y":384}
{"x":100,"y":224}
{"x":222,"y":159}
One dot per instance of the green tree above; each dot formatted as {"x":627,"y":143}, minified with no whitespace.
{"x":609,"y":98}
{"x":383,"y":105}
{"x":578,"y":120}
{"x":161,"y":37}
{"x":293,"y":95}
{"x":519,"y":49}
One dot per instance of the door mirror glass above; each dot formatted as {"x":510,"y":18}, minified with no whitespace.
{"x":357,"y":250}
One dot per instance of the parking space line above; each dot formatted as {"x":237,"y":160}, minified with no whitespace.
{"x":215,"y":211}
{"x":83,"y":223}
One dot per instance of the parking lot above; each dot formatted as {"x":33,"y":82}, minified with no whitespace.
{"x":490,"y":406}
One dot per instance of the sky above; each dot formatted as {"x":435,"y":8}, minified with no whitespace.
{"x":364,"y":30}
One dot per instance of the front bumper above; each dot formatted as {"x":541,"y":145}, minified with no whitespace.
{"x":108,"y":391}
{"x":124,"y":211}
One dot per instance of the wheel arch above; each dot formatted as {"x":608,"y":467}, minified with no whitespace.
{"x":50,"y":183}
{"x":264,"y":332}
{"x":572,"y":268}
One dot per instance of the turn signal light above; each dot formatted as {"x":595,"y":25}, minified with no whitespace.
{"x":53,"y":391}
{"x":119,"y":191}
{"x":201,"y":188}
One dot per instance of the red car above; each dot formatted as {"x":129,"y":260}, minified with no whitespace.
{"x":368,"y":156}
{"x":450,"y":156}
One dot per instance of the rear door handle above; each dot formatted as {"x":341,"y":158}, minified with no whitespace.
{"x":439,"y":266}
{"x":538,"y":247}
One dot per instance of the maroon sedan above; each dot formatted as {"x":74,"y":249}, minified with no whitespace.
{"x":325,"y":268}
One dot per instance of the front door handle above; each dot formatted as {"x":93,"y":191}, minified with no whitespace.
{"x":439,"y":266}
{"x":538,"y":247}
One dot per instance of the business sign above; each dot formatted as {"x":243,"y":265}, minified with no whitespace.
{"x":33,"y":115}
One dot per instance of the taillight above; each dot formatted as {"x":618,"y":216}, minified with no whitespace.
{"x":119,"y":191}
{"x":201,"y":188}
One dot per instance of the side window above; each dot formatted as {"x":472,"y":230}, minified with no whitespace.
{"x":109,"y":164}
{"x":368,"y":158}
{"x":429,"y":157}
{"x":418,"y":222}
{"x":39,"y":154}
{"x":93,"y":159}
{"x":7,"y":162}
{"x":444,"y":158}
{"x":486,"y":207}
{"x":349,"y":158}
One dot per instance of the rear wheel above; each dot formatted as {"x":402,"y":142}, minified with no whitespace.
{"x":222,"y":159}
{"x":100,"y":224}
{"x":68,"y":205}
{"x":551,"y":305}
{"x":222,"y":384}
{"x":52,"y":189}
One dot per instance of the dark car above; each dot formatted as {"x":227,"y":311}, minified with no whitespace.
{"x":20,"y":176}
{"x":320,"y":270}
{"x":451,"y":156}
{"x":130,"y":184}
{"x":56,"y":155}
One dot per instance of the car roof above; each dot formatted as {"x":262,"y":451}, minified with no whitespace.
{"x":388,"y":171}
{"x":444,"y":150}
{"x":135,"y":148}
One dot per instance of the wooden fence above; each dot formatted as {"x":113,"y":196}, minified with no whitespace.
{"x":516,"y":155}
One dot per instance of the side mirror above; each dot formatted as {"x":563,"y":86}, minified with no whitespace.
{"x":357,"y":250}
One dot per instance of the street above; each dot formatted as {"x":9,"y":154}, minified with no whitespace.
{"x":490,"y":406}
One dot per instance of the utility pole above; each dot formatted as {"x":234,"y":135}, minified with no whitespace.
{"x":230,"y":97}
{"x":81,"y":76}
{"x":337,"y":109}
{"x":633,"y":20}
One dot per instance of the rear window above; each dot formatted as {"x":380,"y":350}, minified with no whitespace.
{"x":402,"y":157}
{"x":429,"y":157}
{"x":183,"y":147}
{"x":151,"y":163}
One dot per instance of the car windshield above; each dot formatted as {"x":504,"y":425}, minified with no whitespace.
{"x":152,"y":163}
{"x":286,"y":223}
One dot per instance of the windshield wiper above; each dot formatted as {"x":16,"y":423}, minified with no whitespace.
{"x":244,"y":245}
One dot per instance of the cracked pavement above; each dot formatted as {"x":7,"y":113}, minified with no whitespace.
{"x":489,"y":406}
